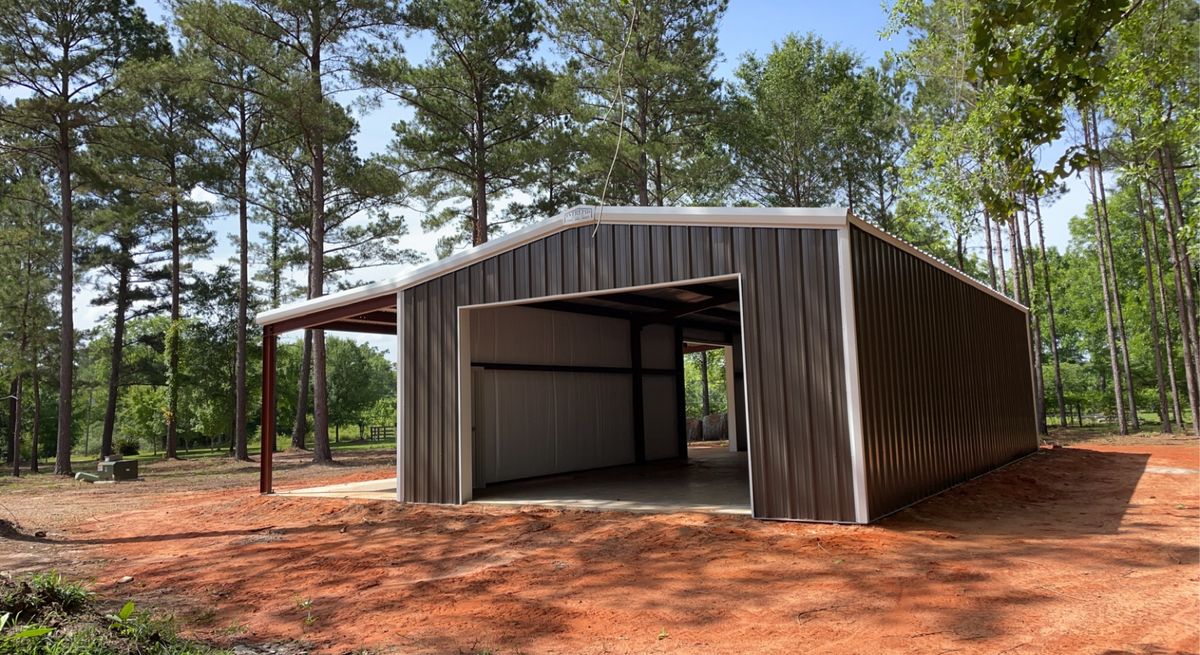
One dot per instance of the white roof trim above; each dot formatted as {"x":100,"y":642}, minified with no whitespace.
{"x":790,"y":217}
{"x":795,"y":217}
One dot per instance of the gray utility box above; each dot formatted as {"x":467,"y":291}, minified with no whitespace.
{"x":118,"y":469}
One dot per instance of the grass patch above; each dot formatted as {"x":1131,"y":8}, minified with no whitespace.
{"x":48,"y":615}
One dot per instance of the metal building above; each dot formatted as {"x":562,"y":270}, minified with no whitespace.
{"x":867,"y":375}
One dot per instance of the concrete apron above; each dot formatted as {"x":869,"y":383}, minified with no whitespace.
{"x":712,"y":480}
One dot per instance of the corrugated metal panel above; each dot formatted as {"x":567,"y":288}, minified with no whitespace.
{"x":534,"y":423}
{"x":945,"y":379}
{"x":538,"y":423}
{"x":798,"y":430}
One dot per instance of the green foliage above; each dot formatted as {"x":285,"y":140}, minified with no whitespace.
{"x":479,"y":99}
{"x":693,"y":386}
{"x":42,"y":592}
{"x":141,"y":411}
{"x":47,"y":615}
{"x":251,"y":103}
{"x":359,"y":377}
{"x":1051,"y":52}
{"x":792,"y":120}
{"x":128,"y":446}
{"x":641,"y":75}
{"x":381,"y":413}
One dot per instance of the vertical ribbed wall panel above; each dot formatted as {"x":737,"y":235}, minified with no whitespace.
{"x":945,"y":379}
{"x":791,"y":318}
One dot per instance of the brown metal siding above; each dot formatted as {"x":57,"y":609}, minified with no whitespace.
{"x":944,"y":372}
{"x":791,"y":318}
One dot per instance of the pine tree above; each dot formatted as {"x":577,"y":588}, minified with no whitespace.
{"x":214,"y":35}
{"x":28,"y":267}
{"x":478,"y":102}
{"x":647,"y":95}
{"x":309,"y":48}
{"x":129,"y":261}
{"x":162,"y":130}
{"x":63,"y":57}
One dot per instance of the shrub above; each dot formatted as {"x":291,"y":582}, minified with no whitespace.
{"x":44,"y":592}
{"x":127,"y":446}
{"x":47,"y":615}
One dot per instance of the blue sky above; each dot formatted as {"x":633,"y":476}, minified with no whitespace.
{"x":748,"y":26}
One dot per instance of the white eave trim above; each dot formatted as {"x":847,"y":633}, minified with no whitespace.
{"x":793,"y":217}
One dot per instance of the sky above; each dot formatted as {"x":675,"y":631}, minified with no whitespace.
{"x":748,"y":26}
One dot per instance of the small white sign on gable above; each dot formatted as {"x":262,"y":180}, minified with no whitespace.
{"x":578,"y":215}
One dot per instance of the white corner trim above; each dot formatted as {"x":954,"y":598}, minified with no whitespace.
{"x":793,"y":217}
{"x":745,"y":394}
{"x":400,"y":409}
{"x":858,"y":461}
{"x":466,"y":404}
{"x":930,"y":259}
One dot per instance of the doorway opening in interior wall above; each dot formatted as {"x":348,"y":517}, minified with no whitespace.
{"x":582,"y":401}
{"x":709,"y":379}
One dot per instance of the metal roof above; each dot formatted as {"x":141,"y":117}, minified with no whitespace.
{"x":770,"y":217}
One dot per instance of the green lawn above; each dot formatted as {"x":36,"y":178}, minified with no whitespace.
{"x":254,"y":448}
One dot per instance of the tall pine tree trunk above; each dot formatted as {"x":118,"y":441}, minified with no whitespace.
{"x":1122,"y":332}
{"x":35,"y":440}
{"x":1027,"y":255}
{"x":479,"y":227}
{"x":241,"y":449}
{"x":116,"y":354}
{"x":1058,"y":385}
{"x":300,"y":426}
{"x":658,"y":184}
{"x":1189,"y":277}
{"x":1102,"y":263}
{"x":1021,"y":287}
{"x":1169,"y":339}
{"x":643,"y":175}
{"x":1164,"y":411}
{"x":66,"y":359}
{"x":1183,"y":299}
{"x":14,"y":417}
{"x":987,"y":229}
{"x":22,"y":357}
{"x":276,"y":245}
{"x":321,"y":451}
{"x":170,"y":450}
{"x":1000,"y":253}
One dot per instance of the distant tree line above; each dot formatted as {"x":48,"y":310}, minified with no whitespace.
{"x":123,"y":142}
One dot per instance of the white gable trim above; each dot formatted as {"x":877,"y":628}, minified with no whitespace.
{"x":775,"y":217}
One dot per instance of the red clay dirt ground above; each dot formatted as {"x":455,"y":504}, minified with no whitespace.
{"x":1091,"y":549}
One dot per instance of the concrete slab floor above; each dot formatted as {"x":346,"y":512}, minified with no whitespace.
{"x":712,"y":480}
{"x":384,"y":489}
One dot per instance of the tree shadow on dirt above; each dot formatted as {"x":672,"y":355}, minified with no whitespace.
{"x":964,"y":570}
{"x":1049,"y":494}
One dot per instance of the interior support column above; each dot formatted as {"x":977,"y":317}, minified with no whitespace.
{"x":732,"y":406}
{"x":639,"y":397}
{"x":268,"y":411}
{"x":680,"y":400}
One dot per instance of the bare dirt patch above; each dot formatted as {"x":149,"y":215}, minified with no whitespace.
{"x":1090,"y":549}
